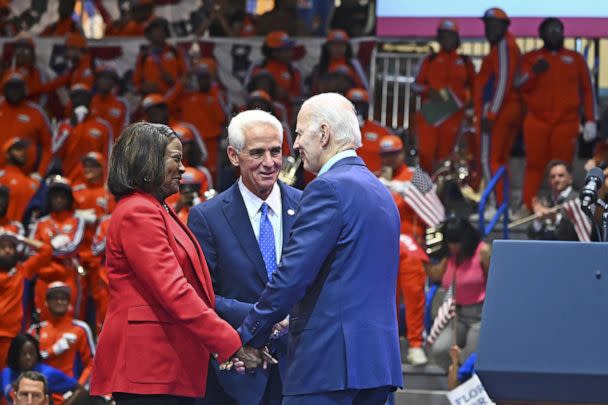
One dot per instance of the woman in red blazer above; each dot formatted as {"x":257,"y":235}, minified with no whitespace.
{"x":160,"y":327}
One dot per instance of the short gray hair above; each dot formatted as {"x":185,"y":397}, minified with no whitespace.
{"x":247,"y":119}
{"x":338,"y":113}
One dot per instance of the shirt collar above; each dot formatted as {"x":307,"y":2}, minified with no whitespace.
{"x":336,"y":158}
{"x":253,"y":203}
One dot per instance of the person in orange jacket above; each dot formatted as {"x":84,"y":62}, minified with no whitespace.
{"x":91,"y":193}
{"x":158,"y":66}
{"x":133,"y":21}
{"x":556,"y":87}
{"x":191,"y":189}
{"x":25,"y":120}
{"x":440,"y":73}
{"x":498,"y":107}
{"x":81,"y":67}
{"x":13,"y":275}
{"x":24,"y":63}
{"x":199,"y":103}
{"x":260,"y":100}
{"x":99,"y":284}
{"x":80,"y":134}
{"x":65,"y":24}
{"x":21,"y":186}
{"x":64,"y":231}
{"x":412,"y":277}
{"x":278,"y":60}
{"x":106,"y":104}
{"x":7,"y":224}
{"x":63,"y":339}
{"x":371,"y":131}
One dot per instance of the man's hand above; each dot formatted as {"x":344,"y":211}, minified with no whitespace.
{"x":540,"y":66}
{"x":280,"y":329}
{"x":248,"y":359}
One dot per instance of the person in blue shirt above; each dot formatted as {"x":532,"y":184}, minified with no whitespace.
{"x":24,"y":355}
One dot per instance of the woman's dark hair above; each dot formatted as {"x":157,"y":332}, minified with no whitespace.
{"x":460,"y":230}
{"x":137,"y":162}
{"x":14,"y":351}
{"x":324,"y":60}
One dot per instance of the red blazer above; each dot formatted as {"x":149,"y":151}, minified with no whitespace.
{"x":159,"y":332}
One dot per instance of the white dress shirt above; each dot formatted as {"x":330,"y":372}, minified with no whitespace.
{"x":253,"y":204}
{"x":336,"y":158}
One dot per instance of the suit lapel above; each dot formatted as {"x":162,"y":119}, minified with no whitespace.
{"x":236,"y":215}
{"x":194,"y":255}
{"x":289,"y":212}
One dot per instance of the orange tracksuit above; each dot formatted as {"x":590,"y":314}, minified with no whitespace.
{"x":130,"y":29}
{"x":33,"y":76}
{"x":205,"y":111}
{"x":11,"y":297}
{"x":21,"y":188}
{"x":355,"y":71}
{"x":554,"y":100}
{"x":98,"y":276}
{"x":411,"y":279}
{"x":410,"y":286}
{"x":112,"y":109}
{"x":288,"y":79}
{"x":83,"y":73}
{"x":497,"y":100}
{"x":444,"y":70}
{"x":371,"y":133}
{"x":11,"y":226}
{"x":71,"y":143}
{"x":149,"y":66}
{"x":81,"y":346}
{"x":28,"y":121}
{"x":63,"y":265}
{"x":61,"y":28}
{"x":93,"y":196}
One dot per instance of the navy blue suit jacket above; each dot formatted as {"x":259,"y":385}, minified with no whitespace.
{"x":337,"y":279}
{"x":224,"y":231}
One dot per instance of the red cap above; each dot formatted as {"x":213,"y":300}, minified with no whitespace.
{"x":391,"y":143}
{"x":73,"y":40}
{"x":58,"y":286}
{"x":14,"y":141}
{"x":152,"y":100}
{"x":337,"y":36}
{"x":80,"y":87}
{"x":495,"y":12}
{"x":447,"y":25}
{"x":95,"y":157}
{"x":358,"y":95}
{"x":185,"y":134}
{"x":13,"y":76}
{"x":58,"y":181}
{"x":192,"y":176}
{"x":261,"y":94}
{"x":279,"y":39}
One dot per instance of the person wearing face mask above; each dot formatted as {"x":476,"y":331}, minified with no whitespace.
{"x":371,"y":131}
{"x":64,"y":231}
{"x":557,"y":89}
{"x":26,"y":120}
{"x":80,"y":134}
{"x":439,"y":73}
{"x":498,"y":107}
{"x":21,"y":186}
{"x":161,"y":328}
{"x":13,"y":274}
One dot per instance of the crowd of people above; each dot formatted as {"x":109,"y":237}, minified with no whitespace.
{"x":55,"y":206}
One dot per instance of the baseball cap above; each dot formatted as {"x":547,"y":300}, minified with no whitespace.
{"x":94,"y":157}
{"x":337,"y":36}
{"x":152,"y":100}
{"x":390,"y":143}
{"x":496,"y":13}
{"x":58,"y":286}
{"x":14,"y":141}
{"x":358,"y":95}
{"x":279,"y":39}
{"x":447,"y":25}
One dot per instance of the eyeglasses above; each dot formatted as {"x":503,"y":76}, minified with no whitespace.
{"x":258,"y":153}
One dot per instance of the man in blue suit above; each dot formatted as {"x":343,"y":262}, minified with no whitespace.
{"x":242,"y":232}
{"x":337,"y":276}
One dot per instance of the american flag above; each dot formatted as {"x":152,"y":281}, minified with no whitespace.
{"x":582,"y":223}
{"x":421,"y":195}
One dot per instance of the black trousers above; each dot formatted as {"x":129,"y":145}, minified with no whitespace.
{"x":122,"y":398}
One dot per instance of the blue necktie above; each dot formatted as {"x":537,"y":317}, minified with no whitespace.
{"x":266,"y":242}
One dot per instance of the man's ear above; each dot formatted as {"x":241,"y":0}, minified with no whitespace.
{"x":233,"y":156}
{"x":325,"y":135}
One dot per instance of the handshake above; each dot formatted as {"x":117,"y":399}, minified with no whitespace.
{"x":248,"y":359}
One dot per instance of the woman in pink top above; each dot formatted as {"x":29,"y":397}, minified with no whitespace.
{"x":466,"y":269}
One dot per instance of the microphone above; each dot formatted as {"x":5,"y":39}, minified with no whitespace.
{"x":588,"y":195}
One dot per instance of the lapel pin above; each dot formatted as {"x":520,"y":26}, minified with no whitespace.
{"x":290,"y":212}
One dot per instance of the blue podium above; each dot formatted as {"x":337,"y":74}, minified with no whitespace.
{"x":544,"y":331}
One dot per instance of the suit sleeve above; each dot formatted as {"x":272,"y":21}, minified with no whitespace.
{"x":587,"y":91}
{"x":313,"y":237}
{"x":148,"y":244}
{"x":231,"y":310}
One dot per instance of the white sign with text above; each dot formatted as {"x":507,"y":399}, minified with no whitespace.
{"x":471,"y":392}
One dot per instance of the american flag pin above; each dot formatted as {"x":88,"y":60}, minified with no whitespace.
{"x":290,"y":212}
